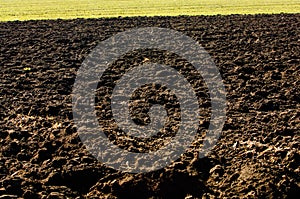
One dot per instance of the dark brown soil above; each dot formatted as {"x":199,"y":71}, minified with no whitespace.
{"x":257,"y":155}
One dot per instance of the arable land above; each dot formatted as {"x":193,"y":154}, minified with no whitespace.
{"x":256,"y":156}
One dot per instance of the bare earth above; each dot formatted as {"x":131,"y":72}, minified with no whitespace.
{"x":257,"y":155}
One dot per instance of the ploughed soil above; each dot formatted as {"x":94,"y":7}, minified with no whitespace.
{"x":256,"y":156}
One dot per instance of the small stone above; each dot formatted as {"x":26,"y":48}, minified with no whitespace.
{"x":55,"y":195}
{"x":217,"y":170}
{"x":8,"y":196}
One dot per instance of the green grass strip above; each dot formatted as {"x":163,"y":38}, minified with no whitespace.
{"x":67,"y":9}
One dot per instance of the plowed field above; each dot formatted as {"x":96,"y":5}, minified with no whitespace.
{"x":257,"y":155}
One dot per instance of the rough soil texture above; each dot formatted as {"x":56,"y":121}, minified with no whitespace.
{"x":257,"y":155}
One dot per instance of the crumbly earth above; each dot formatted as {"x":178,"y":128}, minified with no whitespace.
{"x":256,"y":156}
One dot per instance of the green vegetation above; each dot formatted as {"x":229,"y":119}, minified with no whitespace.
{"x":66,"y":9}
